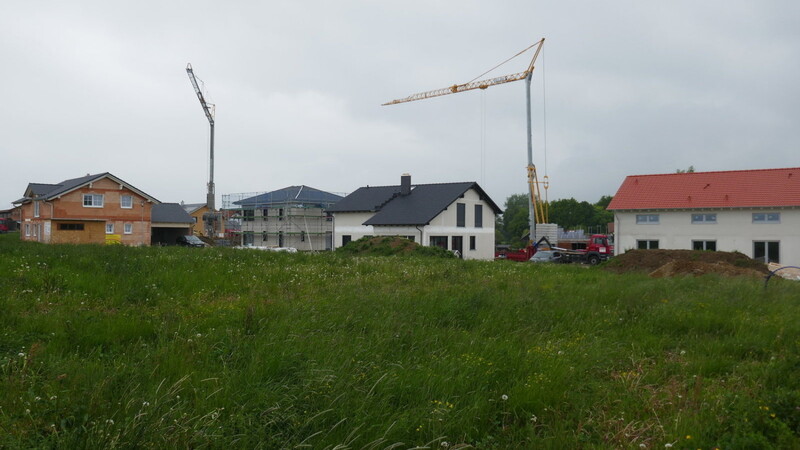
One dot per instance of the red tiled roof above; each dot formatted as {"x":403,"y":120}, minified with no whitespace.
{"x":733,"y":189}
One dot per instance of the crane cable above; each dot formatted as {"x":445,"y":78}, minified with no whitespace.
{"x":546,"y":183}
{"x":509,"y":59}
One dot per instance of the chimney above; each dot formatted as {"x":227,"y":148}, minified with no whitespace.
{"x":405,"y":184}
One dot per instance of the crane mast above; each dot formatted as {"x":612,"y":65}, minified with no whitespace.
{"x":537,"y":209}
{"x":209,"y":110}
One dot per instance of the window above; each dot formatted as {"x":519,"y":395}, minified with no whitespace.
{"x":647,"y":219}
{"x":647,"y":244}
{"x":265,"y":214}
{"x":248,"y":215}
{"x":35,"y":209}
{"x":704,"y":218}
{"x":704,"y":245}
{"x":766,"y":217}
{"x":346,"y":238}
{"x":439,"y":241}
{"x":93,"y":200}
{"x":109,"y":228}
{"x":457,"y":245}
{"x":461,"y":215}
{"x":280,"y":213}
{"x":248,"y":238}
{"x":126,"y":201}
{"x":472,"y":243}
{"x":767,"y":251}
{"x":35,"y":230}
{"x":302,"y":236}
{"x":70,"y":226}
{"x":128,"y":228}
{"x":27,"y":229}
{"x":264,"y":237}
{"x":478,"y":216}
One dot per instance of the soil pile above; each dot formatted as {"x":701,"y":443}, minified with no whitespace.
{"x":668,"y":263}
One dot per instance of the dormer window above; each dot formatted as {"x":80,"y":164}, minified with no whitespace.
{"x":92,"y":200}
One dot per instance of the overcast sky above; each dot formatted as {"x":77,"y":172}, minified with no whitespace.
{"x":621,"y":88}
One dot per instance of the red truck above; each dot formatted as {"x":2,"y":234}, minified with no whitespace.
{"x":597,"y":248}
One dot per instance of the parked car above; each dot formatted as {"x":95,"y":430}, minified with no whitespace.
{"x":546,"y":256}
{"x":3,"y":226}
{"x":190,"y":241}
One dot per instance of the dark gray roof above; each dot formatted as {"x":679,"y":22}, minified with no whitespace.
{"x":302,"y":194}
{"x":366,"y":199}
{"x":39,"y":189}
{"x":170,"y":213}
{"x":50,"y":191}
{"x":419,"y":207}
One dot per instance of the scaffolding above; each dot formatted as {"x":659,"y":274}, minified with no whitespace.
{"x":292,"y":217}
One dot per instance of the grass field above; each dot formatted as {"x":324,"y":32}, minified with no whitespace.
{"x":104,"y":347}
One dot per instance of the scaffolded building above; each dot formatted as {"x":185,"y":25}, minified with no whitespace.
{"x":295,"y":216}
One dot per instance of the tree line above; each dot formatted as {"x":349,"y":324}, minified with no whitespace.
{"x":569,"y":214}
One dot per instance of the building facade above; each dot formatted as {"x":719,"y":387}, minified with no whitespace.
{"x":755,"y":212}
{"x":294,"y":217}
{"x":455,"y":216}
{"x":94,"y":209}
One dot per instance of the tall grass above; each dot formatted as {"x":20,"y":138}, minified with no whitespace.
{"x":173,"y":347}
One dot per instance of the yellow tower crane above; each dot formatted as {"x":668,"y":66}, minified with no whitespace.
{"x":537,"y":207}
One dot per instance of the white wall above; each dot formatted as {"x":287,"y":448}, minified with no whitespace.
{"x":733,"y":231}
{"x":442,"y":225}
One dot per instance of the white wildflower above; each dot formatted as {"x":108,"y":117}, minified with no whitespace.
{"x":504,"y":397}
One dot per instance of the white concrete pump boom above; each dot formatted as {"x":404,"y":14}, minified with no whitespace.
{"x":537,"y":208}
{"x":209,"y":109}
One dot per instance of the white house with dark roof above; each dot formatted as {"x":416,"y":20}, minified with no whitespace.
{"x":454,"y":216}
{"x":755,"y":212}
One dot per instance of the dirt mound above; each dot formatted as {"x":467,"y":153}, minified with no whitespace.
{"x":668,"y":263}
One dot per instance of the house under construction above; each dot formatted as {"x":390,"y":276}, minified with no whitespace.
{"x":290,"y":217}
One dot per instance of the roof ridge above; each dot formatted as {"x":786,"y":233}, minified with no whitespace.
{"x":776,"y":169}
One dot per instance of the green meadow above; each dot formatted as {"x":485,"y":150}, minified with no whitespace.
{"x":117,"y":347}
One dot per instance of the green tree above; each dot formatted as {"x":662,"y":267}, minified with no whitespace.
{"x":515,"y":219}
{"x":571,"y":214}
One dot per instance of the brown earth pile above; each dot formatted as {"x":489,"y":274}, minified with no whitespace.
{"x":668,"y":263}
